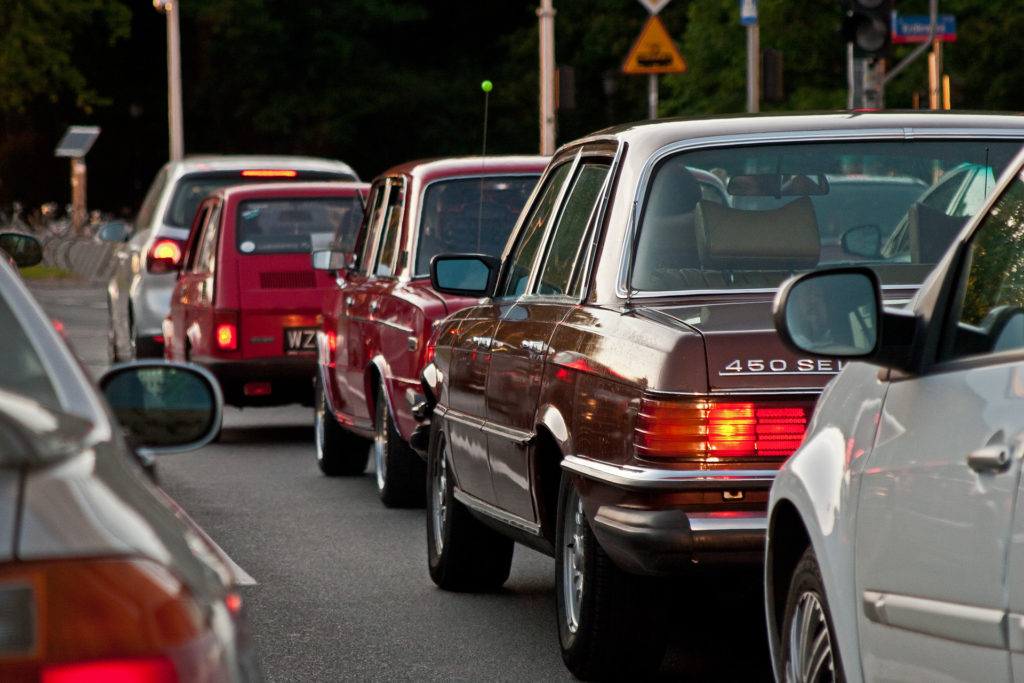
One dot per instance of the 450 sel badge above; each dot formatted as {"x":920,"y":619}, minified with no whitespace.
{"x":781,"y":366}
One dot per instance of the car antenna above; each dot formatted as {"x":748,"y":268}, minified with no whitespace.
{"x":486,"y":86}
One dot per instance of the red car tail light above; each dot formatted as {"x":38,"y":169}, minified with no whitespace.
{"x":226,"y":330}
{"x":165,"y":256}
{"x":708,"y":429}
{"x":78,"y":621}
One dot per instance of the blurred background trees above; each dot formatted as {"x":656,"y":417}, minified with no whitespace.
{"x":377,"y":82}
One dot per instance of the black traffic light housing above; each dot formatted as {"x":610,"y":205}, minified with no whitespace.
{"x":868,"y":25}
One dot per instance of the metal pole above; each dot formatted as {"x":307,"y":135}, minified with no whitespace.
{"x":174,"y":115}
{"x":546,"y":13}
{"x":652,"y":96}
{"x":753,"y":67}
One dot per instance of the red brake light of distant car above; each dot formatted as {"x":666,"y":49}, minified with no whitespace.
{"x":709,"y":430}
{"x":269,"y":173}
{"x":332,"y":341}
{"x":165,"y":256}
{"x":226,"y":330}
{"x":81,"y":621}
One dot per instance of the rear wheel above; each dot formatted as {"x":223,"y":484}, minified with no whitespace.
{"x":463,"y":554}
{"x":610,"y":623}
{"x":400,"y":471}
{"x":808,"y":640}
{"x":338,"y":452}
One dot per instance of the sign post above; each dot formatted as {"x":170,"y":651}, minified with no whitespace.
{"x":653,"y":53}
{"x":76,"y":144}
{"x":748,"y":18}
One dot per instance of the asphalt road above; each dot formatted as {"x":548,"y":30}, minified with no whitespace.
{"x":340,"y":590}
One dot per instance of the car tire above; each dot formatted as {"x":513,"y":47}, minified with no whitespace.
{"x":463,"y":554}
{"x":338,"y":452}
{"x":112,"y":356}
{"x":141,"y":347}
{"x":610,"y":623}
{"x":401,"y":473}
{"x":808,"y":642}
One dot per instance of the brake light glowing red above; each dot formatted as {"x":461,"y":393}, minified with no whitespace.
{"x":332,"y":341}
{"x":227,"y":337}
{"x":155,"y":670}
{"x":269,"y":173}
{"x":164,"y":256}
{"x":708,"y":429}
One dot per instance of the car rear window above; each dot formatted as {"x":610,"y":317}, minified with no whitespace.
{"x":894,"y":206}
{"x":470,"y":215}
{"x":295,"y":225}
{"x":192,"y":188}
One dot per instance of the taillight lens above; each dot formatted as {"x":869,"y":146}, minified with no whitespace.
{"x":707,"y":429}
{"x":226,"y":330}
{"x":77,"y":621}
{"x":165,"y":256}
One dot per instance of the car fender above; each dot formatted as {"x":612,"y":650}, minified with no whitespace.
{"x":819,"y":483}
{"x":551,"y":419}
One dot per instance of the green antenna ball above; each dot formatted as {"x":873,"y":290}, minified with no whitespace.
{"x":486,"y":86}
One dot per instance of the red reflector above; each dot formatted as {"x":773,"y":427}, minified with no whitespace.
{"x":685,"y":429}
{"x":256,"y":389}
{"x":269,"y":173}
{"x":234,"y":603}
{"x":332,"y":340}
{"x":157,"y":670}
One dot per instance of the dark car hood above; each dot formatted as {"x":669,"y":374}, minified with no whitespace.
{"x":743,"y":350}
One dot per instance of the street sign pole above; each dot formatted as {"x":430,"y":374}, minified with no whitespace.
{"x":653,"y":53}
{"x":546,"y":14}
{"x":748,"y":17}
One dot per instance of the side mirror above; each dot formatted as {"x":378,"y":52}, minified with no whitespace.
{"x":862,"y":240}
{"x":464,"y":274}
{"x":23,"y":250}
{"x":833,"y":313}
{"x":115,"y":231}
{"x":333,"y":260}
{"x":164,"y":406}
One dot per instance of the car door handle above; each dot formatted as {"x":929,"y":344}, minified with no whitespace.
{"x":535,"y":347}
{"x":989,"y":458}
{"x":350,"y":301}
{"x":374,"y":305}
{"x":481,"y":342}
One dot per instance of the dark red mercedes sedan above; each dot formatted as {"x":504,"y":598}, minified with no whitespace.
{"x":618,"y":396}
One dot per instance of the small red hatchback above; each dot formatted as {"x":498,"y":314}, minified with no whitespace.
{"x":246,"y":302}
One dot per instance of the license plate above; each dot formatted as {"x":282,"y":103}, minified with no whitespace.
{"x":300,"y":340}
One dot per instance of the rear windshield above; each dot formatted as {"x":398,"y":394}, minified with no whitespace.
{"x":748,"y":217}
{"x":470,"y":215}
{"x":192,"y":188}
{"x":294,"y":226}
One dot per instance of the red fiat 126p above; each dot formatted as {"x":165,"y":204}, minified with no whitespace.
{"x":247,"y":298}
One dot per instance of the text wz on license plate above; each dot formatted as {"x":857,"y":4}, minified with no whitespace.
{"x":299,"y":339}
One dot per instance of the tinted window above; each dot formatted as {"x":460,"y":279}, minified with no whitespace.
{"x":562,"y":266}
{"x":531,"y":234}
{"x":470,"y":215}
{"x":890,"y":205}
{"x":292,"y":225}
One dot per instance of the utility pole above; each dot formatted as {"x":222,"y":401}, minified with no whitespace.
{"x":546,"y":14}
{"x":174,"y":115}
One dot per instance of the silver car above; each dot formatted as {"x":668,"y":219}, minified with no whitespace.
{"x":139,"y":292}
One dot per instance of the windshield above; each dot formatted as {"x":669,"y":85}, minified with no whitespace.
{"x":470,"y":215}
{"x":894,"y":206}
{"x":296,"y":225}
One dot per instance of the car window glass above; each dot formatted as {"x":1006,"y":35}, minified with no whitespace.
{"x":531,"y":233}
{"x":195,"y":240}
{"x":392,"y":228}
{"x":890,"y":205}
{"x":974,"y":195}
{"x":560,"y":274}
{"x":991,"y":302}
{"x":152,"y":198}
{"x":346,"y":218}
{"x":370,"y":234}
{"x":470,"y":215}
{"x":289,"y":225}
{"x":208,"y":242}
{"x":24,"y":371}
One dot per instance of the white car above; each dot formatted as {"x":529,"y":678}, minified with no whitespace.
{"x":895,"y":545}
{"x":150,"y":251}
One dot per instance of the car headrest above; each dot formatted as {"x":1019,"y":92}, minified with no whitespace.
{"x":930,"y":232}
{"x":785,"y":238}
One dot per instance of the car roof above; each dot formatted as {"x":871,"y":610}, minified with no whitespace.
{"x":430,"y":169}
{"x":234,"y":162}
{"x":644,"y":137}
{"x":294,"y":189}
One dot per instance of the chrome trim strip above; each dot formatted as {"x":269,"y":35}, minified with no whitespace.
{"x":1015,"y":631}
{"x":712,"y":522}
{"x":519,"y":436}
{"x":968,"y":624}
{"x":496,"y":513}
{"x":394,"y":326}
{"x":650,"y":478}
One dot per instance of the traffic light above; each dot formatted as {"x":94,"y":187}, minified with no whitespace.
{"x":868,"y":25}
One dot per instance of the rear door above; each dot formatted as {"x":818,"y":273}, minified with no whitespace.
{"x":556,"y":244}
{"x":938,"y":494}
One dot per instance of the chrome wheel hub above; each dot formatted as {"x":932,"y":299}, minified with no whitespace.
{"x":572,"y":562}
{"x":810,"y":647}
{"x":439,"y":510}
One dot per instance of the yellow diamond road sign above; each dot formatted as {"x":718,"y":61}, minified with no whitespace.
{"x":654,"y":52}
